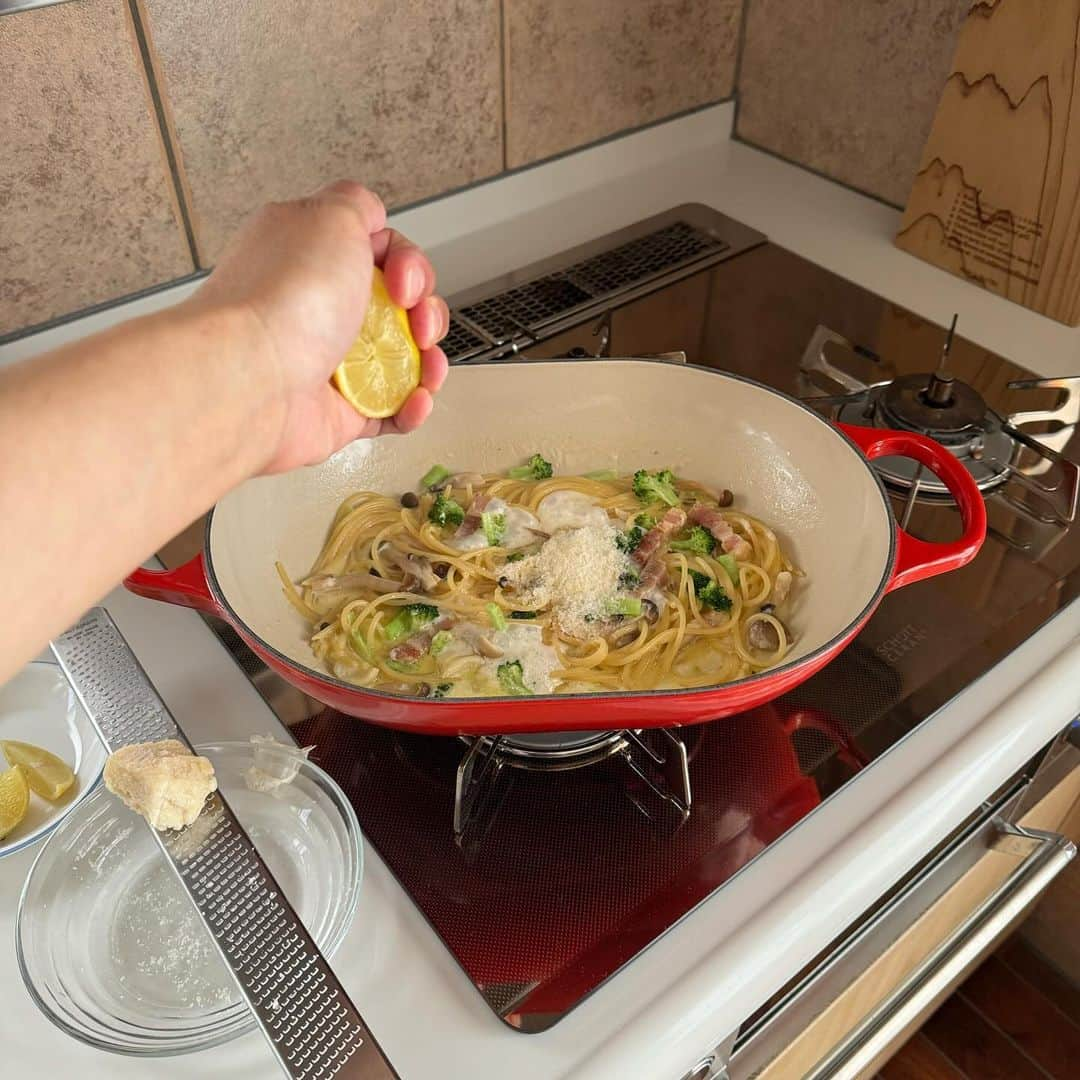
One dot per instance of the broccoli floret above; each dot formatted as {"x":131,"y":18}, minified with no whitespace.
{"x":494,"y":526}
{"x":629,"y":580}
{"x":698,"y":541}
{"x":656,"y":487}
{"x":360,"y":645}
{"x":409,"y":619}
{"x":729,"y":565}
{"x":523,"y":615}
{"x":629,"y":540}
{"x":629,"y":606}
{"x":496,"y":616}
{"x":709,"y":593}
{"x":516,"y":557}
{"x":537,"y":469}
{"x":445,"y":511}
{"x":435,"y":475}
{"x":645,"y":521}
{"x":442,"y":690}
{"x":512,"y":679}
{"x":440,"y":641}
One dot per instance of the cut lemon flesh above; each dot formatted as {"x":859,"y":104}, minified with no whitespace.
{"x":46,"y":774}
{"x":382,"y":368}
{"x":14,"y":799}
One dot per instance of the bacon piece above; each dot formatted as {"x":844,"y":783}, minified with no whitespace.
{"x":472,"y":520}
{"x":710,"y":518}
{"x":672,"y":521}
{"x":653,"y":576}
{"x":411,"y":649}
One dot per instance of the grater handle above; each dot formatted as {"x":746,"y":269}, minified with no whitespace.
{"x":313,"y":1028}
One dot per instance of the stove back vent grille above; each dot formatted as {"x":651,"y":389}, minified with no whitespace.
{"x":510,"y":319}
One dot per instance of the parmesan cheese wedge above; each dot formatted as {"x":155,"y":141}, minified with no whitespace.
{"x":164,"y":781}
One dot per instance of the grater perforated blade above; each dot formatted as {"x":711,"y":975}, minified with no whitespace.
{"x":313,"y":1028}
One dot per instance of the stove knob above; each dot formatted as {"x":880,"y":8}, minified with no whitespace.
{"x":703,"y":1070}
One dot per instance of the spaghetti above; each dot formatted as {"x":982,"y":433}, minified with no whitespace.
{"x":525,"y":583}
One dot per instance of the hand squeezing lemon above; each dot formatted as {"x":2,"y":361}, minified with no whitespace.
{"x":382,"y":368}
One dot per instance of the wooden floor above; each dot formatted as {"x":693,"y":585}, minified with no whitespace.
{"x":1016,"y":1018}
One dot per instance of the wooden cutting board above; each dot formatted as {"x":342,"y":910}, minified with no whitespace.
{"x":997,"y":197}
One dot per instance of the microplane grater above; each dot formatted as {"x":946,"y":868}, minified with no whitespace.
{"x":313,"y":1028}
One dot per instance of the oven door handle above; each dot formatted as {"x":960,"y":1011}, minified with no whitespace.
{"x":1045,"y":855}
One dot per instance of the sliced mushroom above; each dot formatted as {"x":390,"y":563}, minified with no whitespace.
{"x":330,"y":582}
{"x":781,"y":587}
{"x":465,"y":479}
{"x":488,"y":648}
{"x":725,"y":498}
{"x":410,"y":500}
{"x":472,"y":636}
{"x":762,"y":635}
{"x":650,"y":611}
{"x":417,"y":570}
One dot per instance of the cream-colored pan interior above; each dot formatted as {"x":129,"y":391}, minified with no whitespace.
{"x":783,"y":463}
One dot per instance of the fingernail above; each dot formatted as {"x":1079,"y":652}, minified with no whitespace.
{"x":414,"y":284}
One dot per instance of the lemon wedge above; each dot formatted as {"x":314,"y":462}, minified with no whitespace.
{"x":47,"y":775}
{"x":14,"y":799}
{"x":382,"y":368}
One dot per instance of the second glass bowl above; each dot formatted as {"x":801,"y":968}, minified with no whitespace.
{"x":110,"y":946}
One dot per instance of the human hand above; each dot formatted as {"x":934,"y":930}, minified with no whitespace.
{"x":299,"y":275}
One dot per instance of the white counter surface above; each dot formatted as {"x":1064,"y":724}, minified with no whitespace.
{"x":681,"y":997}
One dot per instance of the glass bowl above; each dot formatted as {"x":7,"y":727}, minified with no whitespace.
{"x":111,"y":948}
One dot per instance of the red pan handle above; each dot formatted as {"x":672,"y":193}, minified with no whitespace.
{"x":795,"y":718}
{"x":916,"y":559}
{"x":185,"y":585}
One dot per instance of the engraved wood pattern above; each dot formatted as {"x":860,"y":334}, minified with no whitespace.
{"x":997,"y":196}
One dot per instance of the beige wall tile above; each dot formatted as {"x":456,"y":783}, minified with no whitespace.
{"x":576,"y":71}
{"x":86,"y":203}
{"x":848,"y":87}
{"x":271,"y":99}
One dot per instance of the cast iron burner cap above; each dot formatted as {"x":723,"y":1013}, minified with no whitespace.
{"x":906,"y":403}
{"x":946,"y":410}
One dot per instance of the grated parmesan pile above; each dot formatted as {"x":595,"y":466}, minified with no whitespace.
{"x":574,"y":574}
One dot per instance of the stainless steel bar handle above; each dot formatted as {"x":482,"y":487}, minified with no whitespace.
{"x":1046,"y":855}
{"x":314,"y":1030}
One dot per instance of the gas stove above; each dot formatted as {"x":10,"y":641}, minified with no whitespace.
{"x":546,"y":864}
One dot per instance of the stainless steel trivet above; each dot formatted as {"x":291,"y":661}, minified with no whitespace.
{"x":309,"y":1021}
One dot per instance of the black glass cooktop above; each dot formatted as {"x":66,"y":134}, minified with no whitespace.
{"x":564,"y":876}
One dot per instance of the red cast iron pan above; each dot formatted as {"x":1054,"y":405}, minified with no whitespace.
{"x":809,"y":479}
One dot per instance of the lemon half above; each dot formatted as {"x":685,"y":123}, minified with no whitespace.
{"x":14,"y":799}
{"x":382,"y":368}
{"x":46,"y":774}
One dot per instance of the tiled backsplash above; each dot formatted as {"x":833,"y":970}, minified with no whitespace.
{"x":87,"y":207}
{"x":847,"y":87}
{"x":576,"y":72}
{"x":136,"y":134}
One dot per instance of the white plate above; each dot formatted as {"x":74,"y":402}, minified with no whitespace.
{"x":38,"y":706}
